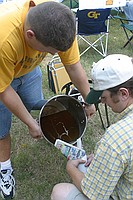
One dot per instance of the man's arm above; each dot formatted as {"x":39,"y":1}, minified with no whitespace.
{"x":13,"y":102}
{"x":80,"y":80}
{"x":74,"y":173}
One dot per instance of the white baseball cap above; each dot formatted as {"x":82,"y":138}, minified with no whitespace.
{"x":109,"y":72}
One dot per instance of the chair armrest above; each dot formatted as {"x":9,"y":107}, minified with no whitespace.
{"x":121,"y":18}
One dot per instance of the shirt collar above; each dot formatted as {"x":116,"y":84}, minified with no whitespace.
{"x":127,"y":111}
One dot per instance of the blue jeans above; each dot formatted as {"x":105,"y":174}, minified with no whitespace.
{"x":29,"y":88}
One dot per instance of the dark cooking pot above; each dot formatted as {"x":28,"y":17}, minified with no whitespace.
{"x":62,"y":117}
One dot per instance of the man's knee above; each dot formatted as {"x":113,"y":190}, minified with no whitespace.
{"x":55,"y":192}
{"x":61,"y":191}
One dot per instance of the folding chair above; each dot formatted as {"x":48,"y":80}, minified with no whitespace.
{"x":127,"y":23}
{"x":93,"y":29}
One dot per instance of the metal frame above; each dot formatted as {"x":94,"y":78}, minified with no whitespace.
{"x":101,"y":38}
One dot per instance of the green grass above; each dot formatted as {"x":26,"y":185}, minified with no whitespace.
{"x":38,"y":165}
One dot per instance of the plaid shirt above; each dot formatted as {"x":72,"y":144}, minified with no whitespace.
{"x":111,"y":172}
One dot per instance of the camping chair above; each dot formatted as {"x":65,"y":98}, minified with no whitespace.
{"x":127,"y":23}
{"x":92,"y":28}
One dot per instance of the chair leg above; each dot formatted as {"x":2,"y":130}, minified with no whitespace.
{"x":128,"y":42}
{"x":101,"y":118}
{"x":128,"y":38}
{"x":107,"y":117}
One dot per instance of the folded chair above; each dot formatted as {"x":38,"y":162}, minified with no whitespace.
{"x":127,"y":23}
{"x":93,"y":29}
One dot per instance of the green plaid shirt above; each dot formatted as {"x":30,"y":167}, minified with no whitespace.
{"x":111,"y":171}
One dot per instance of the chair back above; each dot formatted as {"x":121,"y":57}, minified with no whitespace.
{"x":92,"y":21}
{"x":2,"y":1}
{"x":128,"y":10}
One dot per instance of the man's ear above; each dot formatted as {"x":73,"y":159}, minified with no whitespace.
{"x":32,"y":4}
{"x":124,"y":93}
{"x":30,"y":34}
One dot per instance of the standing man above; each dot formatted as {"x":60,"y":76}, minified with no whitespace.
{"x":30,"y":30}
{"x":110,"y":173}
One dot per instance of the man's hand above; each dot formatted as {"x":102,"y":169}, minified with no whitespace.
{"x":90,"y":110}
{"x":89,"y":160}
{"x":35,"y":130}
{"x":71,"y":164}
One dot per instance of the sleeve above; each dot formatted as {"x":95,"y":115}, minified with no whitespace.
{"x":103,"y":173}
{"x":71,"y":56}
{"x":6,"y":70}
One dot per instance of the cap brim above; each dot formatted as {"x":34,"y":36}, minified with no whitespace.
{"x":93,"y":96}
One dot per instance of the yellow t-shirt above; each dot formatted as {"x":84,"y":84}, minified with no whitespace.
{"x":16,"y":57}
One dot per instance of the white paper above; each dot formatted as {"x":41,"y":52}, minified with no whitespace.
{"x":95,"y":4}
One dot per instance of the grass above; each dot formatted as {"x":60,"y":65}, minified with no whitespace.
{"x":38,"y":165}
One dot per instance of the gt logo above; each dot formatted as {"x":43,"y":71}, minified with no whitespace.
{"x":93,"y":14}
